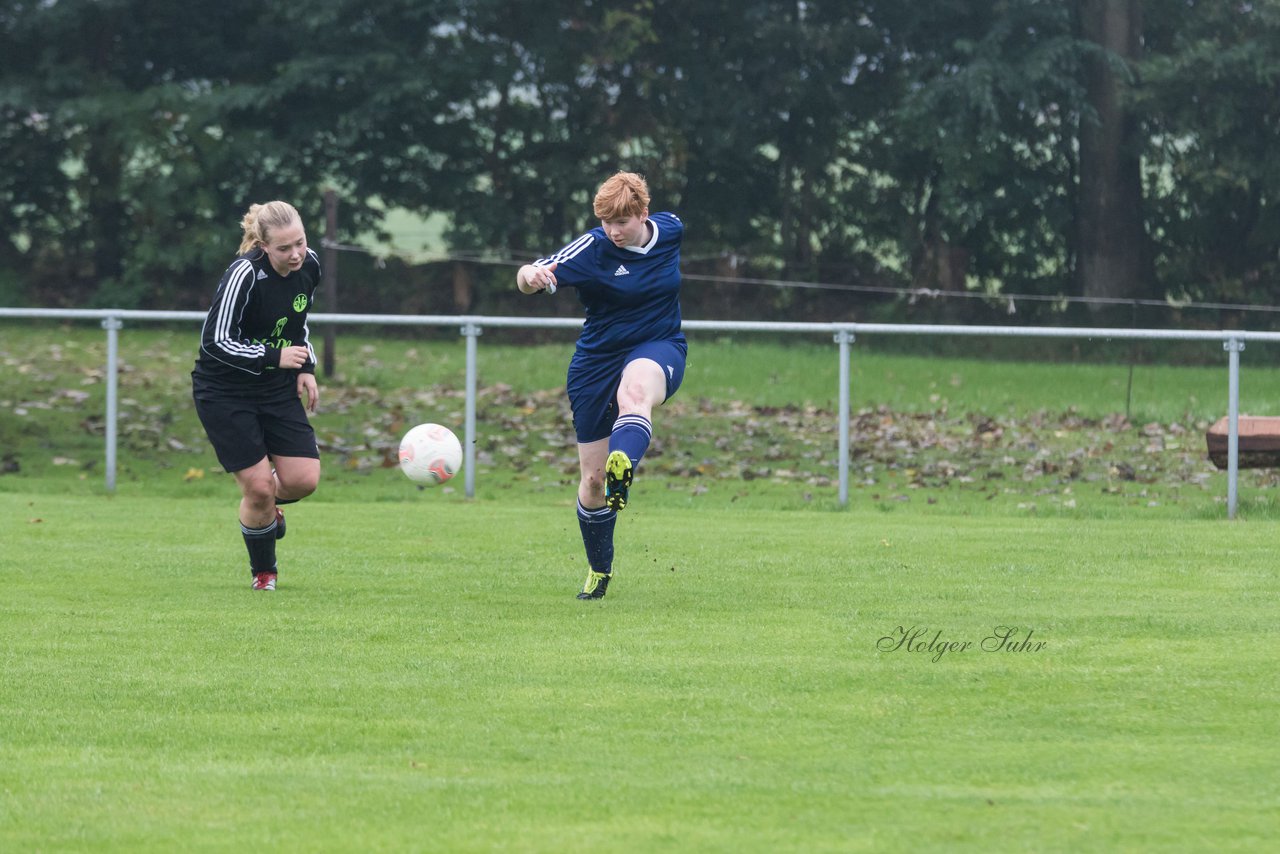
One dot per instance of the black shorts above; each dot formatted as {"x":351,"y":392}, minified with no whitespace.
{"x":243,"y":431}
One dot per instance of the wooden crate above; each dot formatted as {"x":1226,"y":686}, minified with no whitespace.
{"x":1259,"y":437}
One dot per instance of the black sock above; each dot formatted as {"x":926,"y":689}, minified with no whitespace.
{"x":261,"y":543}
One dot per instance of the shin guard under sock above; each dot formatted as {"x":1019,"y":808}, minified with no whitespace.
{"x":597,"y":536}
{"x":631,"y":435}
{"x":261,"y":545}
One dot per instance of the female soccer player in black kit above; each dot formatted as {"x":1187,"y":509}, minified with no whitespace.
{"x":255,"y":365}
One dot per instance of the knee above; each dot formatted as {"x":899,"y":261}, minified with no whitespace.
{"x":640,"y":391}
{"x":260,"y":491}
{"x":632,"y":397}
{"x":308,"y":483}
{"x":300,"y":485}
{"x":592,"y":484}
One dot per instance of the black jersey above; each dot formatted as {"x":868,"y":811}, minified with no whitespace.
{"x":256,"y":313}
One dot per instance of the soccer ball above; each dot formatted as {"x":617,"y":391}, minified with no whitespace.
{"x":430,"y":454}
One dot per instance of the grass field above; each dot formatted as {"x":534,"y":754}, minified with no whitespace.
{"x":424,"y":680}
{"x":770,"y":671}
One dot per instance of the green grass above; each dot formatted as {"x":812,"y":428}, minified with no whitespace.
{"x":424,"y":680}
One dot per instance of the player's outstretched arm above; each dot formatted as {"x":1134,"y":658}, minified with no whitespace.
{"x":530,"y":279}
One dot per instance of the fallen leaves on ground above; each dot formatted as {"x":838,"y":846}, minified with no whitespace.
{"x":893,"y":454}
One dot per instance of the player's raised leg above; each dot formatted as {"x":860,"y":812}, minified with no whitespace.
{"x":643,"y":386}
{"x":595,"y":519}
{"x":295,"y":479}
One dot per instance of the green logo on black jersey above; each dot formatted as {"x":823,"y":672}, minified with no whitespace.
{"x":276,"y":333}
{"x":300,"y":302}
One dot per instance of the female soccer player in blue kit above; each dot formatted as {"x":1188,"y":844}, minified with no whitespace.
{"x":630,"y":355}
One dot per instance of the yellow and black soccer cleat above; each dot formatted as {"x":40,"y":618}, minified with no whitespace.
{"x":617,"y":480}
{"x":596,"y":586}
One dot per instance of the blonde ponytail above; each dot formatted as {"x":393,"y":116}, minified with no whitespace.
{"x":260,"y":220}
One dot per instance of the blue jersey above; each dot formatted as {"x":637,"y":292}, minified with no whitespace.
{"x":631,"y":293}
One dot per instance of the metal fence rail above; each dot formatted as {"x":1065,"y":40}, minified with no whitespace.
{"x":843,"y":334}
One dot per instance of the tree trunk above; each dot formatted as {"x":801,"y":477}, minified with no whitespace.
{"x":1114,"y":257}
{"x":938,"y":265}
{"x":463,"y":289}
{"x":104,"y":204}
{"x":104,"y":157}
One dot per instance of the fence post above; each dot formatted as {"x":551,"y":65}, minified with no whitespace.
{"x":1233,"y":346}
{"x":472,"y":331}
{"x":112,"y":325}
{"x":844,"y":338}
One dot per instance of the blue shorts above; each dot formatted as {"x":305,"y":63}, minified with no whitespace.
{"x":593,"y":384}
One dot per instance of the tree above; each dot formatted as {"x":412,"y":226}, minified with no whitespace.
{"x":994,"y":146}
{"x":1114,"y":256}
{"x":969,"y":164}
{"x":129,"y":117}
{"x":480,"y":109}
{"x":1211,"y":122}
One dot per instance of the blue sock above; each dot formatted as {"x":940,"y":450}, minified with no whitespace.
{"x":597,"y":536}
{"x":631,"y":434}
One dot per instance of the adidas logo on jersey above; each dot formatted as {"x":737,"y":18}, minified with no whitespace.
{"x":622,"y":271}
{"x":262,"y":274}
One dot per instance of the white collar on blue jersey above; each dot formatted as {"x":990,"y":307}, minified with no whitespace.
{"x":653,"y":240}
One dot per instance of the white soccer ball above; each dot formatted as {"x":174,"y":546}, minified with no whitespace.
{"x":430,"y":454}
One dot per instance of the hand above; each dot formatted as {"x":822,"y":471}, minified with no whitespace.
{"x":540,"y":278}
{"x":307,"y":385}
{"x":294,"y":357}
